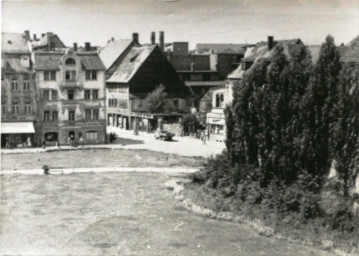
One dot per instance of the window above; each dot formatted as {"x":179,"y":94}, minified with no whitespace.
{"x":112,"y":102}
{"x":50,"y":75}
{"x":88,"y":114}
{"x":27,"y":109}
{"x":14,"y":84}
{"x":51,"y":136}
{"x":70,"y":61}
{"x":46,"y":94}
{"x":26,"y":85}
{"x":46,"y":116}
{"x":94,"y":94}
{"x":70,"y":94}
{"x":92,"y":135}
{"x":87,"y":94}
{"x":70,"y":75}
{"x":55,"y":115}
{"x":91,"y":75}
{"x":25,"y":61}
{"x":54,"y":95}
{"x":71,"y":115}
{"x":15,"y":108}
{"x":95,"y":114}
{"x":3,"y":109}
{"x":219,"y":100}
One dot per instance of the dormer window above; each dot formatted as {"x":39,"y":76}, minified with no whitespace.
{"x":70,"y":61}
{"x":25,"y":61}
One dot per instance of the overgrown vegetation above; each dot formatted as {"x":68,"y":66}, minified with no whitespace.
{"x":289,"y":122}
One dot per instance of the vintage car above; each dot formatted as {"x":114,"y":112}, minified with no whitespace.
{"x":164,"y":135}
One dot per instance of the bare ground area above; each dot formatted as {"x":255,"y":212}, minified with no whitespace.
{"x":116,"y":214}
{"x":96,"y":158}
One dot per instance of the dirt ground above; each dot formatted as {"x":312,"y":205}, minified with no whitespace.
{"x":116,"y":214}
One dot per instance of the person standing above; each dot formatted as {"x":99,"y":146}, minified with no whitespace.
{"x":82,"y":143}
{"x":28,"y":141}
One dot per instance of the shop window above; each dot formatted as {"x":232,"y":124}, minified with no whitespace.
{"x":91,"y":135}
{"x":71,"y":115}
{"x":14,"y":84}
{"x":70,"y":61}
{"x":70,"y":94}
{"x":91,"y":75}
{"x":51,"y":136}
{"x":55,"y":116}
{"x":46,"y":116}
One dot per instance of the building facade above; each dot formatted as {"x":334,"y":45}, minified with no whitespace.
{"x":18,"y":92}
{"x":70,"y":96}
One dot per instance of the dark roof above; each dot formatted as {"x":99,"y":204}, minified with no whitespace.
{"x":47,"y":60}
{"x":91,"y":61}
{"x":130,"y":64}
{"x":14,"y":43}
{"x":42,"y":42}
{"x":113,"y":50}
{"x":51,"y":60}
{"x":221,"y":48}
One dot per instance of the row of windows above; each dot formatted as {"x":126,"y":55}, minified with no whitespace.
{"x":15,"y":109}
{"x":70,"y":75}
{"x":112,"y":102}
{"x":90,"y":114}
{"x":15,"y":85}
{"x":89,"y":135}
{"x":52,"y":94}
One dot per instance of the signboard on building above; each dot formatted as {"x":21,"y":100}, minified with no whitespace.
{"x":216,"y":121}
{"x":143,"y":115}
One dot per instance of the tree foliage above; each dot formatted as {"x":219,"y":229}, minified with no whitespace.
{"x":155,"y":102}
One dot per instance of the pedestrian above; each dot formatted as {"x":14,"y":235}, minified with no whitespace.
{"x":72,"y":140}
{"x":57,"y":143}
{"x":203,"y":136}
{"x":7,"y":144}
{"x":43,"y":144}
{"x":69,"y":140}
{"x":82,"y":143}
{"x":28,"y":141}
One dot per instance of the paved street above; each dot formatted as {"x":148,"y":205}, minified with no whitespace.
{"x":116,"y":214}
{"x":184,"y":146}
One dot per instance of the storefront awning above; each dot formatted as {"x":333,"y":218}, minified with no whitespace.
{"x":17,"y":127}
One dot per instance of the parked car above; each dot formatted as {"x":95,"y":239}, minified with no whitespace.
{"x":164,"y":135}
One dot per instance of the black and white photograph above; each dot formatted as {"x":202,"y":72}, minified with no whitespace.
{"x":179,"y":127}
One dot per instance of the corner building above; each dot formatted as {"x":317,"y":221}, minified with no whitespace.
{"x":71,"y":96}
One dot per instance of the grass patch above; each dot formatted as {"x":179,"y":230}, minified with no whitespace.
{"x":97,"y":158}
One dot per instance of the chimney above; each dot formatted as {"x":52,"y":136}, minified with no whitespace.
{"x":162,"y":41}
{"x":75,"y":47}
{"x":135,"y":37}
{"x":87,"y":47}
{"x":48,"y":40}
{"x":270,"y":42}
{"x":42,"y":35}
{"x":27,"y":35}
{"x":35,"y":38}
{"x":153,"y":38}
{"x":112,"y":39}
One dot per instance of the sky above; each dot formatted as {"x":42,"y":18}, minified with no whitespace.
{"x":195,"y":21}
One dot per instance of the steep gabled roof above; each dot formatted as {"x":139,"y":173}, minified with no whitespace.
{"x":221,"y":48}
{"x":14,"y":43}
{"x":43,"y":42}
{"x":113,"y":50}
{"x":14,"y":65}
{"x":131,"y":63}
{"x":91,"y":61}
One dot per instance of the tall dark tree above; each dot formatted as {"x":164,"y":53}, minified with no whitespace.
{"x":344,"y":144}
{"x":318,"y":112}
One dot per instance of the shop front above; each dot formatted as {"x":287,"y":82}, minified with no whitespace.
{"x":17,"y":134}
